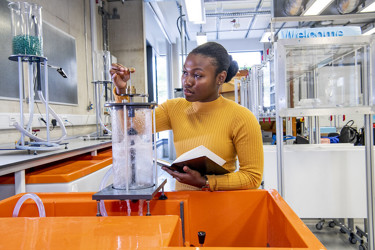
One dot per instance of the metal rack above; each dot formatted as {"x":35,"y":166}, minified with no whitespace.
{"x":295,"y":57}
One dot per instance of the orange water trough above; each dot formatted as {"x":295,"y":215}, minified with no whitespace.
{"x":253,"y":219}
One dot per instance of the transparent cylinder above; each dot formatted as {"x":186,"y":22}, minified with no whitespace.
{"x":27,"y":37}
{"x":103,"y":65}
{"x":132,"y":148}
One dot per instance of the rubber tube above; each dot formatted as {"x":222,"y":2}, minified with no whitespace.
{"x":34,"y":197}
{"x":53,"y":113}
{"x":103,"y":183}
{"x":58,"y":119}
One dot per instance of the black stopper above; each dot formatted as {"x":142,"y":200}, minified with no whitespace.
{"x":132,"y":131}
{"x":39,"y":75}
{"x":201,"y":237}
{"x":131,"y":112}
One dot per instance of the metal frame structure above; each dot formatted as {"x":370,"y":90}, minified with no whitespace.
{"x":252,"y":94}
{"x":282,"y":110}
{"x":42,"y":145}
{"x":254,"y":89}
{"x":98,"y":85}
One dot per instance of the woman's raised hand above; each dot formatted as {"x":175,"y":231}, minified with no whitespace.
{"x":120,"y":75}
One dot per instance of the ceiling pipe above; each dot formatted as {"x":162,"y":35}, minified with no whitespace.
{"x":239,"y":13}
{"x":260,"y":3}
{"x":218,"y":21}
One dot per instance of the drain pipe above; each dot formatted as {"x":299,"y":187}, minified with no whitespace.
{"x":94,"y":42}
{"x":94,"y":45}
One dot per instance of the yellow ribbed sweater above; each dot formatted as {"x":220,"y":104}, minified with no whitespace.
{"x":224,"y":127}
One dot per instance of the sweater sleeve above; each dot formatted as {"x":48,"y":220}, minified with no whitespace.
{"x":247,"y":140}
{"x":163,"y":121}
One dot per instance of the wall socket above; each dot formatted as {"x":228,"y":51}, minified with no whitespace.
{"x":64,"y":118}
{"x":12,"y":120}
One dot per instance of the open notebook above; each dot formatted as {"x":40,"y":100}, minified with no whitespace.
{"x":200,"y":159}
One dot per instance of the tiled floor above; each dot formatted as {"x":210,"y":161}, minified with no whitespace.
{"x":331,"y":238}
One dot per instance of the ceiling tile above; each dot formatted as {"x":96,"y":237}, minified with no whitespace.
{"x":255,"y":34}
{"x":232,"y":35}
{"x":261,"y":21}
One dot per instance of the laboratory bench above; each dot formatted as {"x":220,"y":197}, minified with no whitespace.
{"x":18,"y":161}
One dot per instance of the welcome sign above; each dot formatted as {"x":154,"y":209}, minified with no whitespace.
{"x":320,"y":32}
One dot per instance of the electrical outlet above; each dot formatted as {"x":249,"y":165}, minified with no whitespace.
{"x":64,"y":118}
{"x":12,"y":120}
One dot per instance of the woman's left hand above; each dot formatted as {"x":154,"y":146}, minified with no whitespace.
{"x":190,"y":177}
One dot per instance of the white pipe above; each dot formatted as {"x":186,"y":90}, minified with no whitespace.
{"x":53,"y":113}
{"x":45,"y":101}
{"x":93,"y":31}
{"x":93,"y":35}
{"x":38,"y":201}
{"x":20,"y":85}
{"x":31,"y":97}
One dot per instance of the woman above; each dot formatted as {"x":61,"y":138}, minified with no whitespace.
{"x":206,"y":118}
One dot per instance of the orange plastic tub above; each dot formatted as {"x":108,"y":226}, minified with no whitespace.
{"x":64,"y":171}
{"x":253,"y":219}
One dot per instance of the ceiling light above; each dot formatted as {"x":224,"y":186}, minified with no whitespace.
{"x":347,"y":6}
{"x":317,"y":7}
{"x":201,"y":38}
{"x":293,"y":7}
{"x":370,"y":8}
{"x":266,"y":37}
{"x":195,"y":11}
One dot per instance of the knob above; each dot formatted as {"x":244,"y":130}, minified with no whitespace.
{"x":201,"y":237}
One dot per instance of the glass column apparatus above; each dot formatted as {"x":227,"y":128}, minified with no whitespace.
{"x":27,"y":43}
{"x":27,"y":37}
{"x":133,"y":151}
{"x":132,"y":145}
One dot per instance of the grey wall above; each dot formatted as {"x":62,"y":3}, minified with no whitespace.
{"x":127,"y":40}
{"x":60,"y":50}
{"x":73,"y":18}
